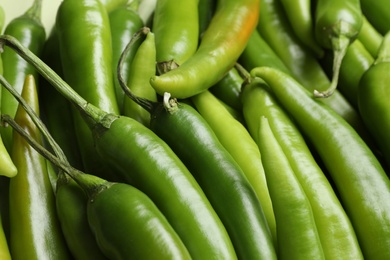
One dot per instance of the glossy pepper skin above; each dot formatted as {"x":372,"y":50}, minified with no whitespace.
{"x":297,"y":232}
{"x":124,"y":22}
{"x":337,"y":236}
{"x":221,"y":45}
{"x":29,"y":30}
{"x":86,"y":56}
{"x":35,"y":232}
{"x":219,"y":175}
{"x":346,"y":157}
{"x":370,"y":37}
{"x":176,"y":29}
{"x":245,"y":151}
{"x":337,"y":25}
{"x":128,"y":225}
{"x":373,"y":94}
{"x":144,"y":160}
{"x":71,"y":202}
{"x":378,"y":13}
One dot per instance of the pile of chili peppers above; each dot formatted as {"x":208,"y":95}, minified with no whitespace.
{"x":209,"y":129}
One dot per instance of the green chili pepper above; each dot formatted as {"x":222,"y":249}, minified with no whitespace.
{"x":337,"y":236}
{"x":56,"y":109}
{"x":370,"y":37}
{"x":228,"y":89}
{"x":366,"y":198}
{"x":29,"y":30}
{"x":378,"y":13}
{"x":245,"y":152}
{"x":299,"y":13}
{"x":337,"y":25}
{"x":124,"y":22}
{"x":373,"y":96}
{"x":4,"y":250}
{"x":182,"y":127}
{"x":297,"y":233}
{"x":71,"y":202}
{"x":111,"y":5}
{"x":86,"y":56}
{"x":206,"y":9}
{"x":221,"y":45}
{"x":176,"y":29}
{"x":356,"y":61}
{"x":125,"y":222}
{"x":277,"y":32}
{"x":259,"y":53}
{"x":143,"y":159}
{"x":142,"y":68}
{"x":35,"y":232}
{"x":2,"y":19}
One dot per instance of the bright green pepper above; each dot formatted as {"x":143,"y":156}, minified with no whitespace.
{"x":337,"y":25}
{"x":176,"y":29}
{"x":147,"y":162}
{"x":373,"y":94}
{"x":4,"y":249}
{"x":340,"y":240}
{"x":370,"y":37}
{"x":296,"y":229}
{"x":86,"y":56}
{"x":29,"y":30}
{"x":221,"y":45}
{"x":361,"y":182}
{"x":35,"y":232}
{"x":378,"y":13}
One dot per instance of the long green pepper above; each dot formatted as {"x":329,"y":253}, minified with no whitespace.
{"x":28,"y":29}
{"x":347,"y":158}
{"x":159,"y":173}
{"x":337,"y":236}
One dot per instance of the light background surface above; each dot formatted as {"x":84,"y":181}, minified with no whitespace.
{"x":14,"y":8}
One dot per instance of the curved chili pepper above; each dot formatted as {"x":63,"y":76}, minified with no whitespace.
{"x":378,"y":13}
{"x":337,"y":236}
{"x":147,"y":162}
{"x":296,"y":229}
{"x":370,"y":37}
{"x":29,"y":30}
{"x":176,"y":29}
{"x":276,"y":31}
{"x":35,"y":232}
{"x":71,"y":202}
{"x":124,"y":22}
{"x":206,"y":9}
{"x":337,"y":25}
{"x":228,"y":89}
{"x":347,"y":158}
{"x":373,"y":93}
{"x":142,"y":67}
{"x":86,"y":56}
{"x":221,"y":45}
{"x":245,"y":152}
{"x":299,"y":13}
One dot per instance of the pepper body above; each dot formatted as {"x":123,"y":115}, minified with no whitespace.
{"x":370,"y":37}
{"x":35,"y":232}
{"x":124,"y":22}
{"x":128,"y":225}
{"x":245,"y":152}
{"x":29,"y":30}
{"x":378,"y":13}
{"x":221,"y":45}
{"x":176,"y":29}
{"x":337,"y":236}
{"x":219,"y":175}
{"x":346,"y":157}
{"x":148,"y":163}
{"x":86,"y":56}
{"x":373,"y":94}
{"x":297,"y":232}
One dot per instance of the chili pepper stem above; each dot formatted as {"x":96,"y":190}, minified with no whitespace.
{"x":35,"y":11}
{"x":340,"y":46}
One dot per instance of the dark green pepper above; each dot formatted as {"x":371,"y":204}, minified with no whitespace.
{"x":373,"y":98}
{"x":28,"y":29}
